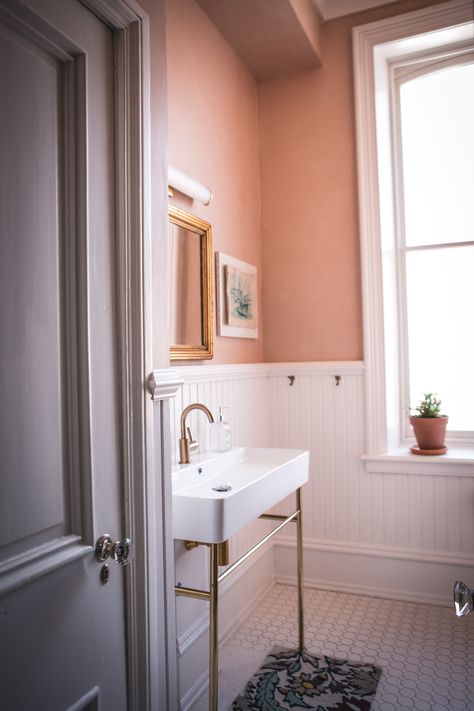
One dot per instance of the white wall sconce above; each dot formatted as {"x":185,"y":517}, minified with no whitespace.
{"x":184,"y":184}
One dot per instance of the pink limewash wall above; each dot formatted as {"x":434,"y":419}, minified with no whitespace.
{"x":213,"y":137}
{"x":311,"y":285}
{"x":299,"y":205}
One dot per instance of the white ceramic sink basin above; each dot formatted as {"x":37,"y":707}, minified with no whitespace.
{"x":258,"y":479}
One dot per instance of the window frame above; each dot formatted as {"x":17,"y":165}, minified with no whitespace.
{"x":375,"y":47}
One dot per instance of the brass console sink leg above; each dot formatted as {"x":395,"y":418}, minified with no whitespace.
{"x":299,"y":555}
{"x":224,"y":553}
{"x":213,"y":625}
{"x":219,"y":555}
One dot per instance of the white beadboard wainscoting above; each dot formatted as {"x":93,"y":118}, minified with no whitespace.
{"x":244,"y":390}
{"x":402,"y":536}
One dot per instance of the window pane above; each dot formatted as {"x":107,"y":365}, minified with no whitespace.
{"x":440,"y":300}
{"x":437,"y":120}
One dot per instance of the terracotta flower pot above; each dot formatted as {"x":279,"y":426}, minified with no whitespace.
{"x":430,"y":432}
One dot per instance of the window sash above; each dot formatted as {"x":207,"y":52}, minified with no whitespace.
{"x":401,"y":72}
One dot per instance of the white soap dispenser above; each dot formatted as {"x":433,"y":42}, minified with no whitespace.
{"x":220,"y":436}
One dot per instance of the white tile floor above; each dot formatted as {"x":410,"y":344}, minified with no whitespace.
{"x":426,"y":653}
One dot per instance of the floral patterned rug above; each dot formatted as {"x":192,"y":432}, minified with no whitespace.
{"x":289,"y":679}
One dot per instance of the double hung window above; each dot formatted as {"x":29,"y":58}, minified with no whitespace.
{"x":414,"y":90}
{"x":433,"y":139}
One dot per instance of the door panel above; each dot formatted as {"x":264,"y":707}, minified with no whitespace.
{"x":62,"y":638}
{"x":31,"y":413}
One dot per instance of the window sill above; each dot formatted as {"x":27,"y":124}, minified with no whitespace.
{"x":458,"y":461}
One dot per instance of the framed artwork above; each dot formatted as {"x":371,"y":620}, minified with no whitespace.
{"x":237,"y":302}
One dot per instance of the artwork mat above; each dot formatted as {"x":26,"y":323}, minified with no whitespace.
{"x":223,"y":328}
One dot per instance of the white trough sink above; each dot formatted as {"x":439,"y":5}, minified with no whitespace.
{"x":258,"y":479}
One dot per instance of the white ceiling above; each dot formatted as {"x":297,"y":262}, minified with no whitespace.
{"x":329,"y":9}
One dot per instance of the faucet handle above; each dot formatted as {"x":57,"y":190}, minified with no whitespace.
{"x":192,"y":443}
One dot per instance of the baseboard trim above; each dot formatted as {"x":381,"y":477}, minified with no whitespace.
{"x":376,"y":571}
{"x":377,"y":551}
{"x":364,"y":590}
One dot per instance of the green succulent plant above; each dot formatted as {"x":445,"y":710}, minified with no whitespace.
{"x":430,"y":406}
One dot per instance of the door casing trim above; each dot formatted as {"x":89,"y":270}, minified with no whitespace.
{"x":151,"y":658}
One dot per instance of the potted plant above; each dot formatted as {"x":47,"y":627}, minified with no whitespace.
{"x":429,"y":426}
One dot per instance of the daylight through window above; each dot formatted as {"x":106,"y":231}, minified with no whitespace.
{"x":436,"y":236}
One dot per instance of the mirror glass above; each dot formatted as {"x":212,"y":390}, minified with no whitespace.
{"x":186,"y":306}
{"x":191,"y":286}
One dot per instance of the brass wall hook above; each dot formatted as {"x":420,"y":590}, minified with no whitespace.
{"x":291,"y":378}
{"x":337,"y":378}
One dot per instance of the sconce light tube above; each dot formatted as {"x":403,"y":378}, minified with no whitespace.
{"x":184,"y":184}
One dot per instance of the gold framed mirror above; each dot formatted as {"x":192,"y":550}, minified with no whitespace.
{"x":190,"y":246}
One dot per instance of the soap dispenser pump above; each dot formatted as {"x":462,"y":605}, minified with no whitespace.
{"x":220,"y":437}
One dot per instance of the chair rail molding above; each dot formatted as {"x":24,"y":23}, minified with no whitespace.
{"x":237,"y":371}
{"x":164,"y":383}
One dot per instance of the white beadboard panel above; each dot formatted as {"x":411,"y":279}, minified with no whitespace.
{"x":246,"y":398}
{"x":342,"y":501}
{"x":244,"y":391}
{"x":317,"y":414}
{"x":405,"y":535}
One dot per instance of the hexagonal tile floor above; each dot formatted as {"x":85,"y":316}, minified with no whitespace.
{"x":425,"y":651}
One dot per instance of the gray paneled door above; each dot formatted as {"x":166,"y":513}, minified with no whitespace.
{"x":62,"y":631}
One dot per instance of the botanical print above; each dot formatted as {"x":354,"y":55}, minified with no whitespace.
{"x":289,"y":679}
{"x":236,"y":297}
{"x":241,"y":301}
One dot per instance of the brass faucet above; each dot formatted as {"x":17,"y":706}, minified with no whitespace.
{"x":187,"y":443}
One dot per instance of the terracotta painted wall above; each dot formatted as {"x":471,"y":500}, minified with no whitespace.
{"x":213,"y":136}
{"x":311,"y":284}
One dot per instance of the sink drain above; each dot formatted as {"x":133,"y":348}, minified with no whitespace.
{"x":222,"y":487}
